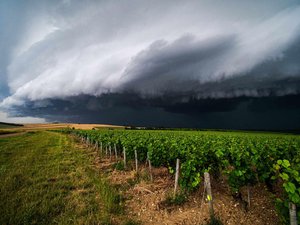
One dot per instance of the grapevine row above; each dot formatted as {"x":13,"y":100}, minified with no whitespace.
{"x":245,"y":158}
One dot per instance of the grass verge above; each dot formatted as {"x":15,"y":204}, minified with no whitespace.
{"x":46,"y":178}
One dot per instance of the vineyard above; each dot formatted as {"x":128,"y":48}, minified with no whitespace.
{"x":245,"y":159}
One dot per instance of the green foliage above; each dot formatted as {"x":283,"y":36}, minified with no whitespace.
{"x":178,"y":199}
{"x":288,"y":173}
{"x":119,"y":165}
{"x":245,"y":158}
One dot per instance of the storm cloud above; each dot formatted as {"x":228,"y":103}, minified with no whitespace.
{"x":183,"y":58}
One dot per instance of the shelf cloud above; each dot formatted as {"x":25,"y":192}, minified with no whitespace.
{"x":57,"y":51}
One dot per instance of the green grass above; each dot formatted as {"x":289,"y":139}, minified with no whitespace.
{"x":179,"y":199}
{"x":9,"y":131}
{"x":45,"y":178}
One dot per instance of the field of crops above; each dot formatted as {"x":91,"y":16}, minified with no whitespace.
{"x":243,"y":158}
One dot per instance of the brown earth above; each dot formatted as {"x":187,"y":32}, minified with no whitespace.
{"x":145,"y":200}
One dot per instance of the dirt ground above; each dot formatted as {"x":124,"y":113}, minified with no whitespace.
{"x":144,"y":200}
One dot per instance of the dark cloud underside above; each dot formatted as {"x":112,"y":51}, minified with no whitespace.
{"x":267,"y":113}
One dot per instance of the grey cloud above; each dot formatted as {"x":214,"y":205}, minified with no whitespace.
{"x":60,"y":50}
{"x":224,"y":66}
{"x":165,"y":67}
{"x":85,"y":48}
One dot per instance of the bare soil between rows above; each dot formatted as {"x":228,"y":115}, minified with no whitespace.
{"x":144,"y":200}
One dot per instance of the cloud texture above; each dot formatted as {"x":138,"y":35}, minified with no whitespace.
{"x":195,"y":49}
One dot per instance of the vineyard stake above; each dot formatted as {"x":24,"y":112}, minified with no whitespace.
{"x":136,"y":160}
{"x":293,"y":213}
{"x":109,"y":152}
{"x":176,"y":176}
{"x":150,"y":168}
{"x":116,"y":153}
{"x":106,"y":151}
{"x":208,"y":193}
{"x":249,"y":195}
{"x":124,"y":156}
{"x":101,"y":148}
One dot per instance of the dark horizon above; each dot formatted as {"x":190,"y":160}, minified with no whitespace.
{"x":242,"y":113}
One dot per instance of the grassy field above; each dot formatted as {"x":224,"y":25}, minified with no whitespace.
{"x":47,"y":178}
{"x":9,"y":131}
{"x":9,"y":125}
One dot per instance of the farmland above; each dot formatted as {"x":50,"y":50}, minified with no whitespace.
{"x":245,"y":159}
{"x":71,"y":176}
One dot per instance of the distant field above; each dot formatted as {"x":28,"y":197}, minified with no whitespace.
{"x":5,"y":131}
{"x":53,"y":126}
{"x":49,"y":126}
{"x":9,"y":125}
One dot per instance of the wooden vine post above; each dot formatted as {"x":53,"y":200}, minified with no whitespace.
{"x":209,"y":197}
{"x":116,"y":153}
{"x":101,"y":148}
{"x":106,"y":153}
{"x":150,"y":167}
{"x":124,"y":157}
{"x":176,"y":176}
{"x":110,"y":153}
{"x":249,"y":196}
{"x":293,"y":213}
{"x":136,"y":160}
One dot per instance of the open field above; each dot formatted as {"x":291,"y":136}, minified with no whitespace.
{"x":9,"y":125}
{"x":47,"y":178}
{"x":7,"y":132}
{"x":67,"y":178}
{"x":49,"y":126}
{"x":54,"y":126}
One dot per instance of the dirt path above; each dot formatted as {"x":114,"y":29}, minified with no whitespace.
{"x":12,"y":134}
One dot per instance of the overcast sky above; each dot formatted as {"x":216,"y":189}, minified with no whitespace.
{"x":213,"y":51}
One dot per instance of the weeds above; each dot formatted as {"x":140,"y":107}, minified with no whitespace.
{"x":179,"y":199}
{"x":214,"y":221}
{"x":119,"y":165}
{"x":131,"y":222}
